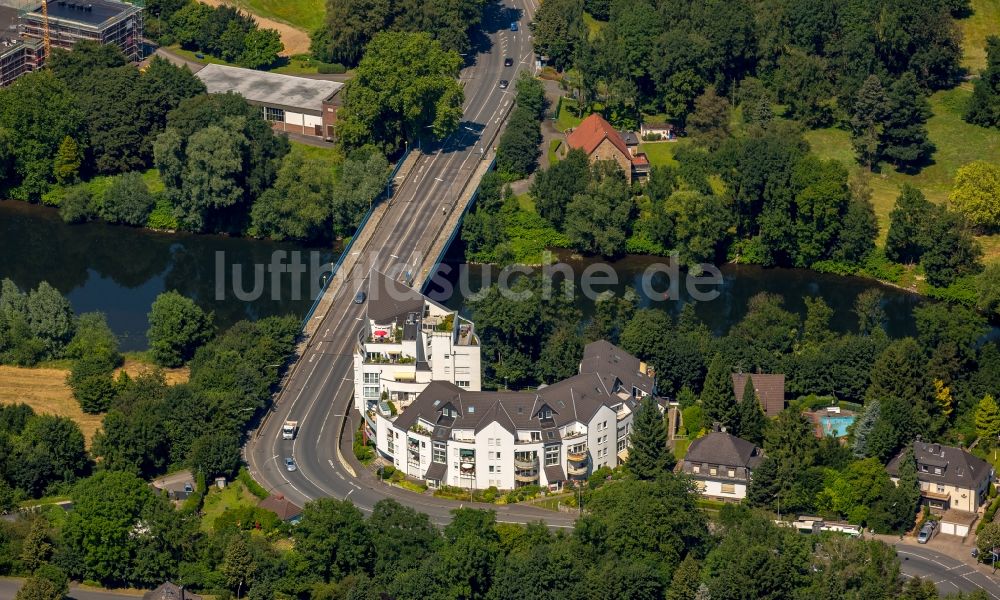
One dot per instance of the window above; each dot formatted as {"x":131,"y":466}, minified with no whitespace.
{"x":728,"y":488}
{"x":498,"y":443}
{"x":498,"y":456}
{"x":622,"y":443}
{"x":696,"y":469}
{"x":602,"y":426}
{"x":551,"y":455}
{"x":440,"y":452}
{"x":462,"y":384}
{"x":937,"y":470}
{"x":940,"y":488}
{"x":731,"y":473}
{"x":371,"y":377}
{"x":546,"y":414}
{"x":392,"y":446}
{"x":274,"y":114}
{"x":371,"y":391}
{"x":491,"y":468}
{"x":536,"y":436}
{"x":713,"y":471}
{"x":489,"y":442}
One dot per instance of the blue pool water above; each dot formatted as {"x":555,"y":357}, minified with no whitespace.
{"x":835,"y":425}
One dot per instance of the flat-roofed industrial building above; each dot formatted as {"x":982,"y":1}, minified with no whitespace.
{"x":292,"y":104}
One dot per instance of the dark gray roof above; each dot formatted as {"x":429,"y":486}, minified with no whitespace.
{"x":577,"y":398}
{"x":721,"y":448}
{"x":611,"y":362}
{"x":631,"y":139}
{"x":436,"y":471}
{"x":958,"y":467}
{"x":91,"y":12}
{"x":170,"y":591}
{"x":389,"y":300}
{"x":554,"y":473}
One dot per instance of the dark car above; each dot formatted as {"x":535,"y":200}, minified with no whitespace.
{"x":359,"y":298}
{"x":508,"y":62}
{"x":503,"y":84}
{"x":513,"y":26}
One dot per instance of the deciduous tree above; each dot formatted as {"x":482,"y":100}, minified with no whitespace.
{"x":177,"y":327}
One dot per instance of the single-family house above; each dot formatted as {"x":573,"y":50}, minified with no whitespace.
{"x":286,"y":510}
{"x":170,"y":591}
{"x":950,"y":478}
{"x":721,"y":465}
{"x":656,"y":131}
{"x":600,"y":141}
{"x":770,"y":390}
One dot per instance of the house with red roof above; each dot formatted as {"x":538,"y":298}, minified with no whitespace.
{"x":600,"y":141}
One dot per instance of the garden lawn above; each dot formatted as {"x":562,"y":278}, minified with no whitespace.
{"x":957,"y":143}
{"x":660,"y":154}
{"x":234,"y":495}
{"x":975,"y":29}
{"x":567,"y":117}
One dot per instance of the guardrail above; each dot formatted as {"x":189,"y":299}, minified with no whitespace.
{"x":364,"y":221}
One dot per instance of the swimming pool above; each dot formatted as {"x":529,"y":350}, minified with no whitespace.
{"x":835,"y":425}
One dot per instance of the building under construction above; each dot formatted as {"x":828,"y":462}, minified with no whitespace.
{"x":28,"y":28}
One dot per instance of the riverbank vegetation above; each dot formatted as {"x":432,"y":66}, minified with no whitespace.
{"x":801,"y":140}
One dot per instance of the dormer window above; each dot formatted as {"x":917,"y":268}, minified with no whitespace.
{"x":937,"y":470}
{"x":545,"y":414}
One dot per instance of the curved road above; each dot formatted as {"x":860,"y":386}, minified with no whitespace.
{"x":318,"y":393}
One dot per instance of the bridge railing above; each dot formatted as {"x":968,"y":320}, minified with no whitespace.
{"x":455,"y":231}
{"x":361,"y":226}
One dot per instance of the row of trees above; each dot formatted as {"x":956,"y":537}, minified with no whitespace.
{"x":57,"y":125}
{"x":120,"y":531}
{"x":221,"y":31}
{"x":351,"y":24}
{"x":520,"y":145}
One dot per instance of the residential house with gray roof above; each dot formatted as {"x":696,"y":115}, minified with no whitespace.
{"x":950,"y":478}
{"x":722,"y":464}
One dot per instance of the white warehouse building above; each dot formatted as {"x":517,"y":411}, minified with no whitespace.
{"x":567,"y":430}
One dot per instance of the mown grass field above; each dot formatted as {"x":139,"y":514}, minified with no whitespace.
{"x":45,"y":390}
{"x":984,"y":21}
{"x":304,"y":14}
{"x":957,"y":143}
{"x":234,"y":495}
{"x":660,"y":153}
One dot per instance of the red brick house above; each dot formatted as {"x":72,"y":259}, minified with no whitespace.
{"x":600,"y":141}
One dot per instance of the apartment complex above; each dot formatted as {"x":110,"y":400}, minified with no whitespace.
{"x":102,"y":21}
{"x":564,"y":431}
{"x":407,"y":341}
{"x":18,"y":57}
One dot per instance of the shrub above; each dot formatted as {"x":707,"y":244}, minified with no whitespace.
{"x":331,"y":68}
{"x":127,"y":201}
{"x":90,"y":380}
{"x":77,"y":205}
{"x":162,"y":217}
{"x":248,"y":481}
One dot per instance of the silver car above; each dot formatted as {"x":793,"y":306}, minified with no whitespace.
{"x":290,"y":464}
{"x":925,"y":533}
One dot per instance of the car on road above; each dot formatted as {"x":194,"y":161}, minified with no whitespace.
{"x":925,"y":533}
{"x":503,"y":84}
{"x":290,"y":464}
{"x":359,"y":298}
{"x":513,"y":26}
{"x":508,"y":62}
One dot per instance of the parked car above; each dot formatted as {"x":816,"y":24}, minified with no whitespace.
{"x":508,"y":62}
{"x":975,"y":553}
{"x":513,"y":26}
{"x":925,"y":533}
{"x":290,"y":464}
{"x":359,"y":298}
{"x":503,"y":84}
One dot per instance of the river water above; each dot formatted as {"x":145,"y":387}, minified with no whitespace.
{"x":120,"y":271}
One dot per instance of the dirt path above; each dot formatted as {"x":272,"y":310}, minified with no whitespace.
{"x":296,"y":41}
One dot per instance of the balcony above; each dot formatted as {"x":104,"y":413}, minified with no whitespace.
{"x":577,"y":455}
{"x":526,"y":463}
{"x":526,"y":476}
{"x":576,"y":470}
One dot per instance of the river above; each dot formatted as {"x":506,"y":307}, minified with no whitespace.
{"x":120,"y":271}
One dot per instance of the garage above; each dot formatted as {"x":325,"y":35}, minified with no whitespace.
{"x":957,"y":523}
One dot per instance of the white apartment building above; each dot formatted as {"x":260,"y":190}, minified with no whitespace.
{"x":407,"y":341}
{"x":459,"y":437}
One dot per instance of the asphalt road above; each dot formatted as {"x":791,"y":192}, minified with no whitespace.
{"x":949,"y":574}
{"x":318,"y":393}
{"x":9,"y":588}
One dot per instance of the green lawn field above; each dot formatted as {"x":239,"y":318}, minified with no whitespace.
{"x":984,"y":21}
{"x":304,"y":14}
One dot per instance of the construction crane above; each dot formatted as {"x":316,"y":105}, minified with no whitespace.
{"x":45,"y":29}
